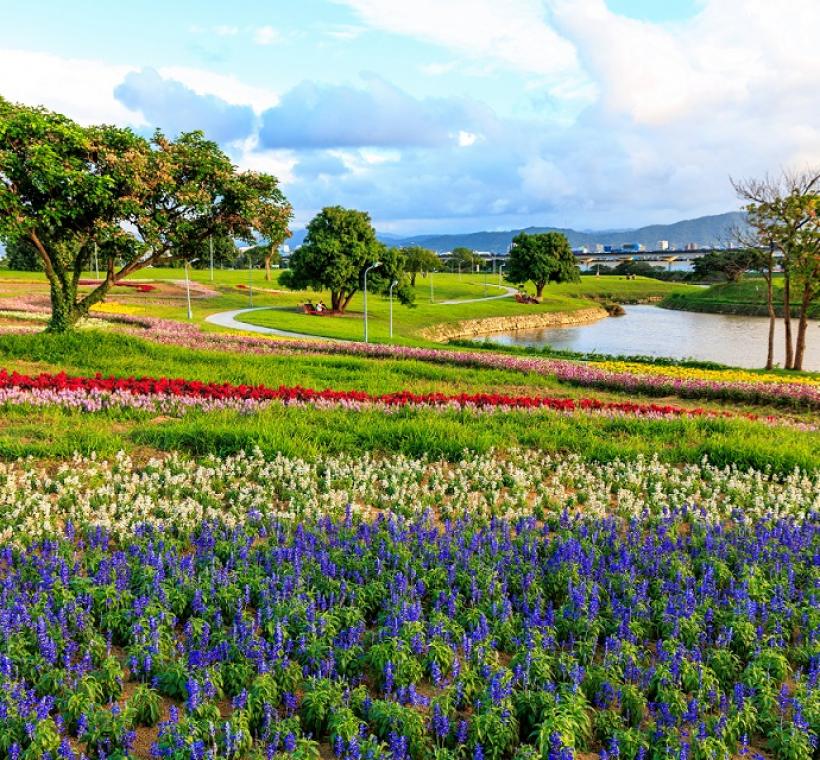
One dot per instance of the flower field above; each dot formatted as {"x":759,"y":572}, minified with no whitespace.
{"x":502,"y":570}
{"x":660,"y":380}
{"x":520,"y":606}
{"x":169,"y":395}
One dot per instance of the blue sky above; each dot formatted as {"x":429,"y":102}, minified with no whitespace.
{"x":447,"y":115}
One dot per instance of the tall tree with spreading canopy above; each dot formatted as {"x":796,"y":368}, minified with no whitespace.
{"x":418,"y":259}
{"x":543,"y":257}
{"x":784,"y":213}
{"x":68,"y":188}
{"x":339,"y":246}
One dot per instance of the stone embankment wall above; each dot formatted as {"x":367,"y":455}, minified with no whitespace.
{"x":470,"y":328}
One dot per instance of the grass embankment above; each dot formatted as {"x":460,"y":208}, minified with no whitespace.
{"x":746,"y":298}
{"x":230,"y":291}
{"x":306,"y":432}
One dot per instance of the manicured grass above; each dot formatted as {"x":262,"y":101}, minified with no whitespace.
{"x":747,"y":297}
{"x":306,"y":432}
{"x":112,"y":353}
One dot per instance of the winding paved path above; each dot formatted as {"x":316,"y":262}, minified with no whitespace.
{"x":229,"y":319}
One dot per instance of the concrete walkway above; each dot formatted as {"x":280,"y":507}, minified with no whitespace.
{"x":229,"y":319}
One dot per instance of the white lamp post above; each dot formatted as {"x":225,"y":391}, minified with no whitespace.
{"x":372,"y":266}
{"x":211,"y":247}
{"x":250,"y":280}
{"x":432,"y":297}
{"x":96,"y":263}
{"x":392,"y":285}
{"x":188,"y":288}
{"x":500,"y":272}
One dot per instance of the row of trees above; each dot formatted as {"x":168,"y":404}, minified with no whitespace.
{"x":784,"y":232}
{"x":75,"y":192}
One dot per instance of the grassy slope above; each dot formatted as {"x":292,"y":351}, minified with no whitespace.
{"x":745,"y":297}
{"x":305,"y":431}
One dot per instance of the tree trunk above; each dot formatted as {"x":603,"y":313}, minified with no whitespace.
{"x":64,"y":314}
{"x":347,"y":300}
{"x":802,"y":326}
{"x":787,"y":319}
{"x":413,"y":279}
{"x":267,"y":266}
{"x":772,"y":321}
{"x":336,"y":300}
{"x":539,"y":289}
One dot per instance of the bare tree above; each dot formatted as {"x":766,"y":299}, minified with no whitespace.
{"x":783,"y":213}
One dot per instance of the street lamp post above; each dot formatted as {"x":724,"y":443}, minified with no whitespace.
{"x":250,"y":281}
{"x":372,"y":266}
{"x":432,"y":296}
{"x":211,"y":247}
{"x":96,"y":263}
{"x":188,"y":287}
{"x":392,"y":285}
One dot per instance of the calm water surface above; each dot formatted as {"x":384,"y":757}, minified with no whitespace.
{"x":734,"y":340}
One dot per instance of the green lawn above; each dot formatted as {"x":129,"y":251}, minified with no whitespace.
{"x":306,"y":431}
{"x":746,"y":297}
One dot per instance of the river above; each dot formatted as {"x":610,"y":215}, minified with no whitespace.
{"x":734,"y":340}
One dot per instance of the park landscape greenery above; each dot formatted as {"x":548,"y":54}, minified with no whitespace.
{"x":216,"y":544}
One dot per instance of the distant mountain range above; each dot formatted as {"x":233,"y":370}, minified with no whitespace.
{"x":705,"y":231}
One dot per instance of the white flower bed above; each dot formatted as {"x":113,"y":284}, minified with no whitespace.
{"x":178,"y":492}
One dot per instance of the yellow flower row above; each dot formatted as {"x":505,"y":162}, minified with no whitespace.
{"x":691,"y":373}
{"x":112,"y":307}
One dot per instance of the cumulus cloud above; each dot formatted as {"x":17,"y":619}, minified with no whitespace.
{"x":314,"y":115}
{"x":83,"y":90}
{"x":512,"y":33}
{"x":170,"y":105}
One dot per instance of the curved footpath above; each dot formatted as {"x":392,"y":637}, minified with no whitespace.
{"x":229,"y":319}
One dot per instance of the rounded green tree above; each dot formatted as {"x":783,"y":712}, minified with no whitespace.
{"x":541,"y":258}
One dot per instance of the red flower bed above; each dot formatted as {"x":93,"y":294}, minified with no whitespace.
{"x":193,"y":388}
{"x":140,"y":287}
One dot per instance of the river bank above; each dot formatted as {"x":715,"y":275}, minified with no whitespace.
{"x":472,"y":328}
{"x":746,"y":298}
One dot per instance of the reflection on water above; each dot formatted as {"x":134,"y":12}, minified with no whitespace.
{"x":734,"y":340}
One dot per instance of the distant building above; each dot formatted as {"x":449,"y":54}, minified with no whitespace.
{"x":581,"y":249}
{"x":631,"y":247}
{"x":663,"y":245}
{"x":691,"y":247}
{"x":599,"y":248}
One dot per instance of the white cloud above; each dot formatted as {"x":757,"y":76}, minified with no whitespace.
{"x":228,"y":88}
{"x":266,"y":35}
{"x":80,"y":88}
{"x":466,"y":139}
{"x":513,"y":33}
